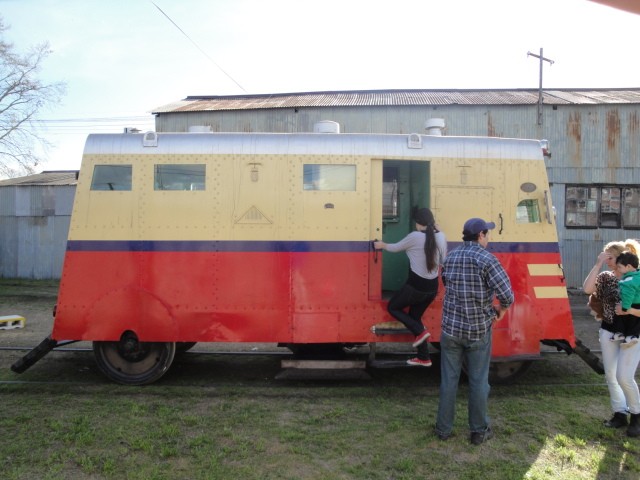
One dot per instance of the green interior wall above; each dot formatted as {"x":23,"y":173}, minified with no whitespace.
{"x":413,"y":193}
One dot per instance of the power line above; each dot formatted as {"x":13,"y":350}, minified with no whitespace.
{"x":198,"y":47}
{"x":86,"y":125}
{"x":133,"y":118}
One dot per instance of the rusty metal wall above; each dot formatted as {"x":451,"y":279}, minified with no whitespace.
{"x":34,"y":224}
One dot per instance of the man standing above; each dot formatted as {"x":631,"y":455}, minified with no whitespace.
{"x":472,"y":278}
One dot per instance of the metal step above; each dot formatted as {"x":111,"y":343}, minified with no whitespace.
{"x":390,"y":328}
{"x":323,"y":370}
{"x":389,"y":364}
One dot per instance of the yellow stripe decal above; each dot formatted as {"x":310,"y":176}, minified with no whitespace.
{"x":550,"y":292}
{"x":543,"y":269}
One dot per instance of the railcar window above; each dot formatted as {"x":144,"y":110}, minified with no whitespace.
{"x":390,"y":192}
{"x":329,"y":177}
{"x":179,"y":177}
{"x":528,"y":211}
{"x":111,"y":177}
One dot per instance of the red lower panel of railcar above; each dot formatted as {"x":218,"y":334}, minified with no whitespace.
{"x":289,"y":297}
{"x":217,"y":297}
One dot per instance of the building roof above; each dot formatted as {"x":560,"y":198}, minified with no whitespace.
{"x":351,"y":98}
{"x":53,"y":177}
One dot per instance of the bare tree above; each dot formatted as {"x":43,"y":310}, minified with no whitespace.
{"x":22,"y":96}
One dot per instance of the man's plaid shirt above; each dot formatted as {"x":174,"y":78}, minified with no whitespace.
{"x":472,"y":277}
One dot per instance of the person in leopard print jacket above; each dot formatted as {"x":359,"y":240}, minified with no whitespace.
{"x":620,"y":365}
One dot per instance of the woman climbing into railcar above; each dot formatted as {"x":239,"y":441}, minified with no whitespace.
{"x":426,"y":248}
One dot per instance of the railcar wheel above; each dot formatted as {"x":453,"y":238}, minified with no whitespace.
{"x":131,"y":362}
{"x":503,"y":373}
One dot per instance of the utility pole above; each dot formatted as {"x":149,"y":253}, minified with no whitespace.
{"x":542,"y":59}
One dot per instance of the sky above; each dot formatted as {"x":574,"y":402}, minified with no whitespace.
{"x":120,"y":59}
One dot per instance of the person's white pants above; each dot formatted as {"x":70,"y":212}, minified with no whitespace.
{"x":620,"y":365}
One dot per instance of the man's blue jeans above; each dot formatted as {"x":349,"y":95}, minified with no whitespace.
{"x":477,"y":357}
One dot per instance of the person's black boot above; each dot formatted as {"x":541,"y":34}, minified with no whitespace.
{"x":618,"y":420}
{"x":634,"y":425}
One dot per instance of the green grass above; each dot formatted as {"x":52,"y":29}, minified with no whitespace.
{"x":225,"y":417}
{"x":28,"y":288}
{"x":303,"y":432}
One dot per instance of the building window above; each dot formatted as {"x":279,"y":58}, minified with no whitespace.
{"x":631,"y":207}
{"x":329,"y":177}
{"x":111,"y":177}
{"x":603,"y":206}
{"x":179,"y":177}
{"x":610,"y":207}
{"x":581,"y":208}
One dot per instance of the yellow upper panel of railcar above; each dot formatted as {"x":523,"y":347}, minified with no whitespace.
{"x":227,"y":186}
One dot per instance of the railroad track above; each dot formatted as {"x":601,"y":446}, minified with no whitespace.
{"x":191,"y":368}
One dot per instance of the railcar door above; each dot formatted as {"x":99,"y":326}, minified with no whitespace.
{"x":405,"y":188}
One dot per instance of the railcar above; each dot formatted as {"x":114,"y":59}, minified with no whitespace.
{"x":181,"y":238}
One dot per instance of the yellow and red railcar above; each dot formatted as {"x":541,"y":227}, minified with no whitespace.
{"x":258,"y":237}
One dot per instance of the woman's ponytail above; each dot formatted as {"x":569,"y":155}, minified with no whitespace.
{"x":424,"y":217}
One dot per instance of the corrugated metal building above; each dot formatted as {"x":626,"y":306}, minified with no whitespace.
{"x":35,"y":212}
{"x":594,"y":137}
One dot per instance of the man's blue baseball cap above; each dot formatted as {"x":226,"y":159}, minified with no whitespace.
{"x":474,"y":226}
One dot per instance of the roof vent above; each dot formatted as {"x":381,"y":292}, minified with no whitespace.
{"x":434,"y":126}
{"x":326,"y":126}
{"x":414,"y":141}
{"x":150,"y":139}
{"x":200,"y":129}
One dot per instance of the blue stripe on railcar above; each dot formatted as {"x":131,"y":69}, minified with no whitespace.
{"x":274,"y":246}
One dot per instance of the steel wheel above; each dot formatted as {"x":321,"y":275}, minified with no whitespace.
{"x":504,"y":373}
{"x":132,"y":362}
{"x":507,"y":372}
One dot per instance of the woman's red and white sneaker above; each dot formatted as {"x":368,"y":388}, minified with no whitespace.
{"x":419,"y":362}
{"x":421,"y":338}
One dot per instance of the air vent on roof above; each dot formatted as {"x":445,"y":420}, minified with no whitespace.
{"x":414,"y":141}
{"x":150,"y":139}
{"x":326,"y":126}
{"x":200,"y":129}
{"x":434,"y":126}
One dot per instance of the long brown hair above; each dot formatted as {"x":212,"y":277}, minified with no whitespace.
{"x":425,"y":217}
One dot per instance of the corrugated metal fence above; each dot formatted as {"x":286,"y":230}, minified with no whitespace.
{"x":34,"y":224}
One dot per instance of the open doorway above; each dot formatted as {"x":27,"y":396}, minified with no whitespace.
{"x":405,"y":188}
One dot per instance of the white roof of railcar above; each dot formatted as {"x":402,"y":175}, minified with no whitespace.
{"x":373,"y":145}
